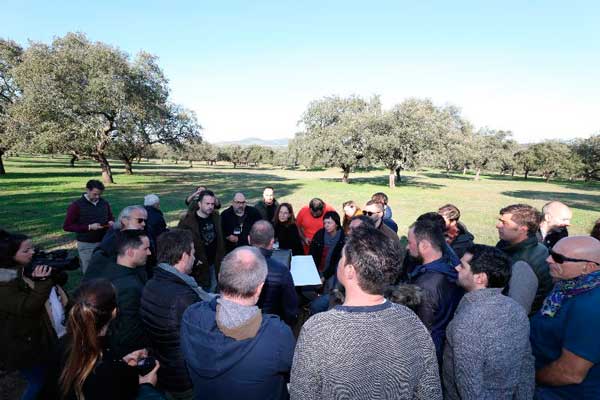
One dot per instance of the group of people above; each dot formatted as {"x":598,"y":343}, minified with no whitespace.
{"x":208,"y":310}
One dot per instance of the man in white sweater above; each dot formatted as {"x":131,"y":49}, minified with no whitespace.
{"x":368,"y":347}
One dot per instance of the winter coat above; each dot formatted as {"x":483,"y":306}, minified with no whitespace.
{"x":289,"y":238}
{"x":27,"y":337}
{"x":156,"y":221}
{"x":463,"y":240}
{"x":278,"y":294}
{"x":261,"y":207}
{"x":164,"y":299}
{"x":316,"y":251}
{"x":222,"y":367}
{"x":127,"y":330}
{"x":201,"y":271}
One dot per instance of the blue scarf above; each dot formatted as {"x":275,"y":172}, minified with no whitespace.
{"x":566,"y":289}
{"x":191,"y":282}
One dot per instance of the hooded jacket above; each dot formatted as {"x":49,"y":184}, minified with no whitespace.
{"x":222,"y":367}
{"x":463,"y":240}
{"x":442,"y":295}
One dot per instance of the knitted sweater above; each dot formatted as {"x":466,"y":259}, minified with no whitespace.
{"x":377,"y":352}
{"x":487,"y":353}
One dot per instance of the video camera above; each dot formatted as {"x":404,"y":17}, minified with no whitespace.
{"x":58,"y":260}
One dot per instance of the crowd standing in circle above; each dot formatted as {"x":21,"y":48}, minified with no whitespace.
{"x":209,"y":310}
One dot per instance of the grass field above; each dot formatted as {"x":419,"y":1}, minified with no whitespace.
{"x":36,"y":192}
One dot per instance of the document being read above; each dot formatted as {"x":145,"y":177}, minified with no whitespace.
{"x":304,"y":271}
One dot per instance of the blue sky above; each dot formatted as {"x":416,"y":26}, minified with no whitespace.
{"x":251,"y":68}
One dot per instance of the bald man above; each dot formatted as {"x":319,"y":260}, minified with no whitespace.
{"x":564,"y":333}
{"x":556,"y":217}
{"x":236,"y":222}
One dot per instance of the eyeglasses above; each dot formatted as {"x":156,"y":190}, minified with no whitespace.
{"x":139,"y":220}
{"x":559,"y":258}
{"x":239,"y":202}
{"x":370,"y":213}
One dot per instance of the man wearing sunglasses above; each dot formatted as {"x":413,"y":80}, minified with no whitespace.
{"x":530,"y":281}
{"x":564,"y":333}
{"x":374,"y":210}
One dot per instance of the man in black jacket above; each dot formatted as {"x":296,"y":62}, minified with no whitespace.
{"x":165,"y":298}
{"x":236,"y":222}
{"x":278,"y":295}
{"x":126,"y":331}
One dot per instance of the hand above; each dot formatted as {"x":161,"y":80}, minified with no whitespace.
{"x":132,"y":358}
{"x":232,"y":238}
{"x":152,"y":376}
{"x":111,"y":223}
{"x":306,"y":241}
{"x":41,"y":271}
{"x":95,"y":227}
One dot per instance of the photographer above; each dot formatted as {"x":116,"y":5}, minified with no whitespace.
{"x":91,"y":369}
{"x":31,"y":313}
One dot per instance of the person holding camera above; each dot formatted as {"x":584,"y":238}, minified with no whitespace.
{"x":91,"y":369}
{"x":31,"y":313}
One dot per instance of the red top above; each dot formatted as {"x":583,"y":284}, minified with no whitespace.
{"x":309,"y":224}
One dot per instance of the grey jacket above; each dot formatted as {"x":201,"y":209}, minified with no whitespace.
{"x":487,"y":353}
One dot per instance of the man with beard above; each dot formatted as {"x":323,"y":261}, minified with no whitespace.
{"x":236,"y":222}
{"x":267,"y":206}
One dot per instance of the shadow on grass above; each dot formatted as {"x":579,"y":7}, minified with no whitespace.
{"x":574,"y":200}
{"x":382,"y":180}
{"x":441,"y":175}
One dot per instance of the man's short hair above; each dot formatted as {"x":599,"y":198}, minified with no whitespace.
{"x":430,"y":230}
{"x":449,"y":211}
{"x":375,"y":257}
{"x":171,"y":245}
{"x":151,"y":199}
{"x":203,"y":194}
{"x":126,"y":213}
{"x":261,"y":234}
{"x":491,"y":261}
{"x":380,"y":197}
{"x":375,"y":203}
{"x":242,"y":271}
{"x":364,"y":220}
{"x":524,"y":215}
{"x":129,"y":239}
{"x":433,"y":218}
{"x":268,"y":187}
{"x":316,"y":204}
{"x":94,"y":184}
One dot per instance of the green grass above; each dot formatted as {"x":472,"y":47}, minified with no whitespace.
{"x":36,"y":192}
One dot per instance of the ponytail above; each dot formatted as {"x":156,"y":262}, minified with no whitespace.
{"x":95,"y":302}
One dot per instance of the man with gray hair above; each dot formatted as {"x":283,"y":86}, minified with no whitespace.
{"x":131,"y":218}
{"x":278,"y":295}
{"x":231,"y":349}
{"x":156,"y":221}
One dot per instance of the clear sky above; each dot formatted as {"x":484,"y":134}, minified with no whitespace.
{"x":250,"y":68}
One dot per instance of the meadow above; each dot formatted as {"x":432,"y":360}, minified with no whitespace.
{"x":36,"y":192}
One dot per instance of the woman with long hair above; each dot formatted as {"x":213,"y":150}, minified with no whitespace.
{"x":286,"y":230}
{"x":31,"y":313}
{"x":90,"y":370}
{"x":351,"y":209}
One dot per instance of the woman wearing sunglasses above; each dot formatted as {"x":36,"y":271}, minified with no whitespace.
{"x":564,"y":333}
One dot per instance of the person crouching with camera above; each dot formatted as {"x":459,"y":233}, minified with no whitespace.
{"x":91,"y":370}
{"x":32,"y":313}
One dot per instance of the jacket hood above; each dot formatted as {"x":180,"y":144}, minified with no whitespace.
{"x":209,"y":353}
{"x":441,"y":265}
{"x":464,"y":236}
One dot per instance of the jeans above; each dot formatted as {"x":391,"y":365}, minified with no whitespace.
{"x":35,"y":377}
{"x":320,"y":304}
{"x":212,"y":275}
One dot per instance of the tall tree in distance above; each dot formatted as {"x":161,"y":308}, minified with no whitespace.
{"x":10,"y":56}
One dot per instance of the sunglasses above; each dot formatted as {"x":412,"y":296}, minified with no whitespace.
{"x":559,"y":258}
{"x":139,"y":220}
{"x":370,"y":213}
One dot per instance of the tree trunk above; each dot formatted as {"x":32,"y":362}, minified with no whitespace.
{"x":464,"y":170}
{"x":2,"y":170}
{"x":477,"y":174}
{"x":392,"y":178}
{"x":107,"y":176}
{"x":74,"y":157}
{"x":526,"y":173}
{"x":512,"y":173}
{"x":139,"y":159}
{"x":191,"y":164}
{"x":128,"y":166}
{"x":346,"y":171}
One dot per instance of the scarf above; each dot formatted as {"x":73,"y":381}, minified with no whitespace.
{"x":566,"y":289}
{"x":191,"y":282}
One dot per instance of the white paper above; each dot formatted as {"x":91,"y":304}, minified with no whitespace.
{"x":304,"y":271}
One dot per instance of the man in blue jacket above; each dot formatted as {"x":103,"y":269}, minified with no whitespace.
{"x":231,"y":349}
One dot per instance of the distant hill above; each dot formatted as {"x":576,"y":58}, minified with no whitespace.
{"x":261,"y":142}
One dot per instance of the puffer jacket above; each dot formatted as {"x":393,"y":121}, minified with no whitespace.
{"x":164,"y":299}
{"x":27,"y":337}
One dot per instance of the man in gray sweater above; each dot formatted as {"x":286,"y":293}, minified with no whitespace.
{"x":487,"y":353}
{"x":367,"y":348}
